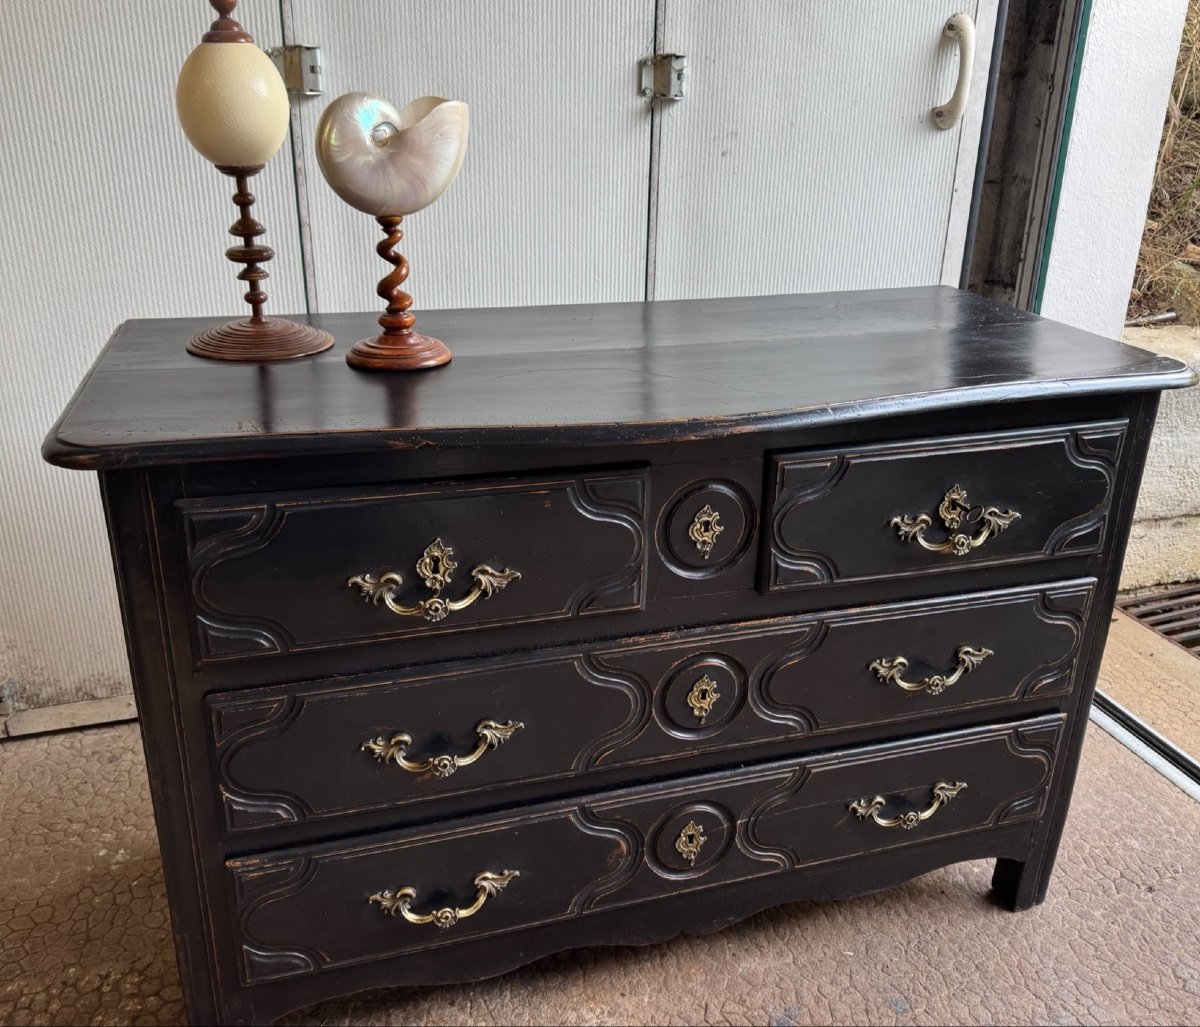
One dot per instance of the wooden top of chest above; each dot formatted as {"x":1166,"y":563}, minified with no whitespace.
{"x":583,"y":374}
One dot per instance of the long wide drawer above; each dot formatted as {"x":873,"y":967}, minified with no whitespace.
{"x":295,"y":753}
{"x":307,"y":910}
{"x":300,"y":571}
{"x":899,"y":509}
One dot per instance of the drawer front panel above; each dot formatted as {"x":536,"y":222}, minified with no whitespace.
{"x":337,"y":905}
{"x":902,"y":509}
{"x":291,"y":754}
{"x":305,"y":571}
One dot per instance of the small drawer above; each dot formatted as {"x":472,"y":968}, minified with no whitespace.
{"x":317,"y":908}
{"x":897,"y":510}
{"x":302,"y":571}
{"x":292,"y":754}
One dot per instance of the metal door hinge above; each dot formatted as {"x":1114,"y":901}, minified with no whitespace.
{"x":662,"y":76}
{"x":300,"y":67}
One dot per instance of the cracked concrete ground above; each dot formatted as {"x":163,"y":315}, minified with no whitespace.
{"x":1160,"y":683}
{"x":84,"y":936}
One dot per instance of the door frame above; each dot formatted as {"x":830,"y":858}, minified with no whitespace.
{"x":1028,"y":131}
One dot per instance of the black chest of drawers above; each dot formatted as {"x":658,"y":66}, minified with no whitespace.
{"x":631,"y":621}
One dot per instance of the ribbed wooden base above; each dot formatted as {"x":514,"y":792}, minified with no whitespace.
{"x":408,"y":352}
{"x":273,"y":338}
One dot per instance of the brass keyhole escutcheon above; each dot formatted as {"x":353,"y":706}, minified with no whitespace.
{"x":703,"y":697}
{"x":690,"y":841}
{"x":705,"y":528}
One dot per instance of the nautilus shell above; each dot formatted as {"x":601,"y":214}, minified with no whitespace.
{"x":384,"y":161}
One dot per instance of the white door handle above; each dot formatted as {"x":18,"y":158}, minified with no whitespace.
{"x":961,"y":29}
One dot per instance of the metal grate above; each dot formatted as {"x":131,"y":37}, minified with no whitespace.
{"x":1174,"y":614}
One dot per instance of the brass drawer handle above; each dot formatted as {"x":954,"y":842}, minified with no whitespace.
{"x":943,"y":792}
{"x":889,"y":668}
{"x":435,"y":567}
{"x":491,"y":736}
{"x":953,"y":510}
{"x":400,"y":901}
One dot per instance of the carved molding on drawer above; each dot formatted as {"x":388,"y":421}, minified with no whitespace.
{"x":617,"y":501}
{"x":248,"y":812}
{"x":1034,"y":746}
{"x":273,"y":965}
{"x":1099,"y":450}
{"x":629,"y":705}
{"x":605,"y":852}
{"x":596,"y":521}
{"x":783,"y":856}
{"x":233,"y":721}
{"x":260,"y":884}
{"x":622,"y":868}
{"x":832,"y":515}
{"x":1062,"y":609}
{"x":1068,"y":609}
{"x":797,"y":715}
{"x":634,"y":686}
{"x":1031,"y":743}
{"x":242,"y":724}
{"x":235,"y":726}
{"x":223,"y":535}
{"x":824,"y":475}
{"x":255,"y":888}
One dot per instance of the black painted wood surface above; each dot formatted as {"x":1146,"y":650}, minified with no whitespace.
{"x":270,"y":574}
{"x":608,"y":373}
{"x":293,"y":753}
{"x":276,"y":827}
{"x":302,"y":912}
{"x":832,"y":512}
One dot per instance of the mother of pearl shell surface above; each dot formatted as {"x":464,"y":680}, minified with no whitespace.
{"x":386,"y":161}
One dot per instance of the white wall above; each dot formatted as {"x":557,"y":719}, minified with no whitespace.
{"x":106,"y":213}
{"x":1124,"y":86}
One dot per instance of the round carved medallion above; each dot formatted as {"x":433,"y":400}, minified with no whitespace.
{"x":707,"y":528}
{"x":691,"y":839}
{"x":701,"y":695}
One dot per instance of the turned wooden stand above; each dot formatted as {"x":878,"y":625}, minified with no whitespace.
{"x":398,"y":348}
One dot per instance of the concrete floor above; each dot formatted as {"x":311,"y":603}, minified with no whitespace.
{"x":84,"y":934}
{"x":1159,"y":683}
